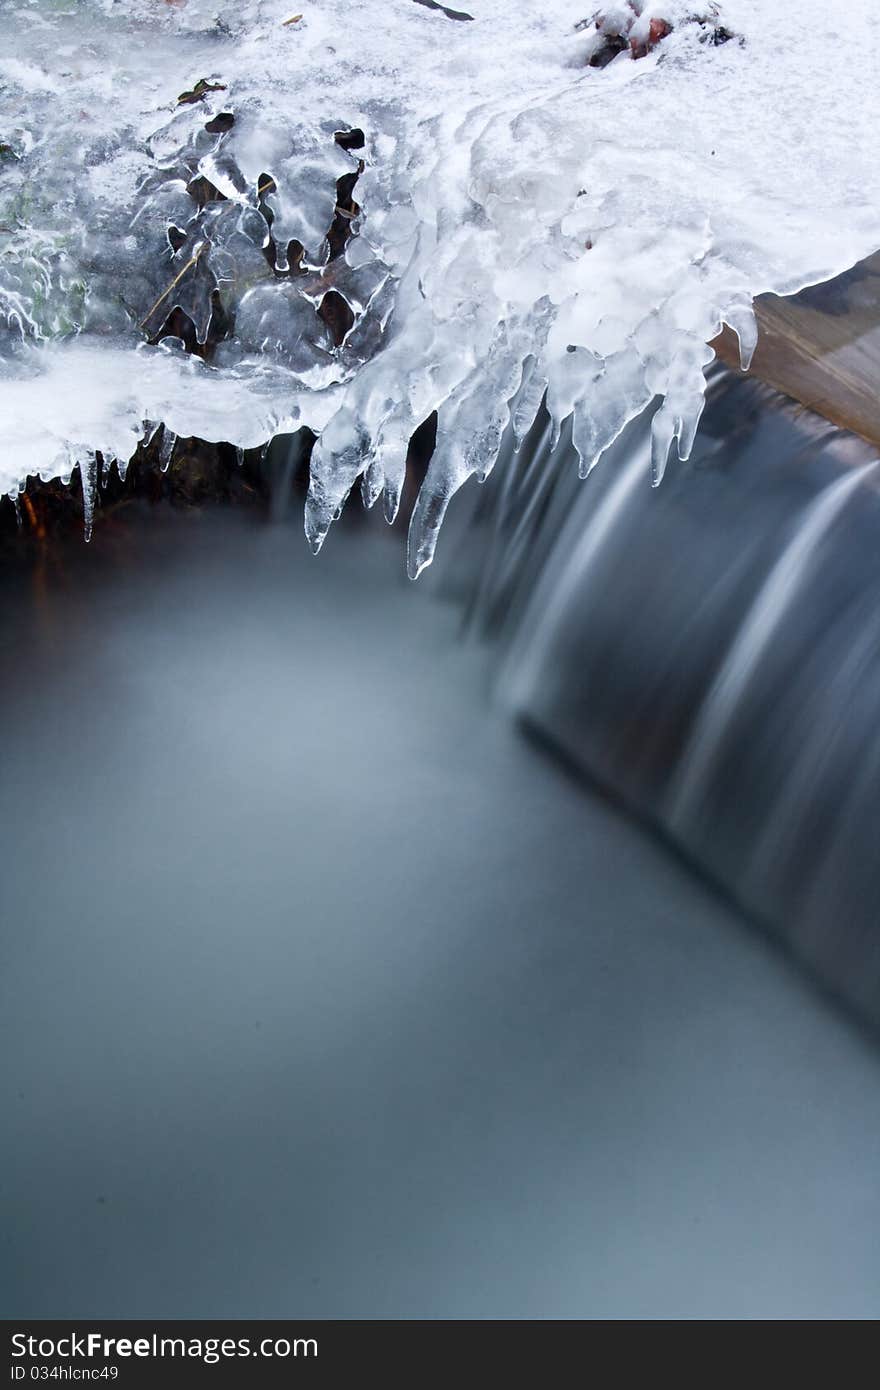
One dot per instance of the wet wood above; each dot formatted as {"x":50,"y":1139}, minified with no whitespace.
{"x":822,"y":347}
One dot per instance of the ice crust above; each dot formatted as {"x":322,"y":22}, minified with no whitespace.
{"x":525,"y":224}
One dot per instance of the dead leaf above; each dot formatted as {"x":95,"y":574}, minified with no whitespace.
{"x":200,"y":91}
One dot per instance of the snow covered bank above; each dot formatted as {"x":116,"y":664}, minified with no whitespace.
{"x":369,"y":211}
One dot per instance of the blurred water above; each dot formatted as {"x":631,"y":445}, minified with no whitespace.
{"x":710,"y":651}
{"x":324,"y":993}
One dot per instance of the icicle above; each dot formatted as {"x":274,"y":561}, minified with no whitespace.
{"x":166,"y":449}
{"x":528,"y":402}
{"x":686,"y":426}
{"x":391,"y":501}
{"x":88,"y":473}
{"x":392,"y":448}
{"x":498,"y":251}
{"x":372,"y":483}
{"x":662,"y":433}
{"x":338,"y":459}
{"x":424,"y":530}
{"x":614,"y":396}
{"x":741,"y":318}
{"x":442,"y":480}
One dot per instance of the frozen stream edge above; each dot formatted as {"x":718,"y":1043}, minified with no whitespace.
{"x":525,"y":226}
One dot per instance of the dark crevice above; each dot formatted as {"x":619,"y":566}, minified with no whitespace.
{"x":337,"y":314}
{"x":266,"y":185}
{"x":353,"y":139}
{"x":346,"y":210}
{"x":295,"y":254}
{"x":178,"y":324}
{"x":220,"y":124}
{"x":176,"y":237}
{"x":220,"y":326}
{"x":203,"y":191}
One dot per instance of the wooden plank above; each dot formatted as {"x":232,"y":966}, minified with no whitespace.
{"x":822,"y":347}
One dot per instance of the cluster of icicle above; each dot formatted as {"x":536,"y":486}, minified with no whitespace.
{"x":237,"y":219}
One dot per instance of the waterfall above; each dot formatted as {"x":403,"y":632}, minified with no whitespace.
{"x":710,"y":653}
{"x":775,"y":600}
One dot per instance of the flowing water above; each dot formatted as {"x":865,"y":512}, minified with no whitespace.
{"x":324,"y":993}
{"x":710,"y":651}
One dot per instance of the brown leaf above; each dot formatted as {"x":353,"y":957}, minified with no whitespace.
{"x":200,"y":91}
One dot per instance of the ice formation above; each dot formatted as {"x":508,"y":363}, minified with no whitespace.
{"x":236,"y":219}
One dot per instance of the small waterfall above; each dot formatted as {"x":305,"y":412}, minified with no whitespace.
{"x":709,"y":651}
{"x":530,"y":655}
{"x":293,"y":450}
{"x":823,"y":755}
{"x":772,"y":606}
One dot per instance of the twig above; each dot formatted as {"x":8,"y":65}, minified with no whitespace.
{"x":179,"y":276}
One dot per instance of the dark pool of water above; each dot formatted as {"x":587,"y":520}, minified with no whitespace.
{"x":324,"y":993}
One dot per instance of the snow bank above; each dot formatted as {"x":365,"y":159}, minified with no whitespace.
{"x":531,"y":210}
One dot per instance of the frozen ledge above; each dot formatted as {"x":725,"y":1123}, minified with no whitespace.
{"x":379,"y":211}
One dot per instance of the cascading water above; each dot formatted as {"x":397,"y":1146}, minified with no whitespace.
{"x":783,"y":589}
{"x":233,"y":241}
{"x":732,"y":699}
{"x":320,"y":989}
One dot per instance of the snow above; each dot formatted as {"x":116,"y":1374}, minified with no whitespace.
{"x":523,"y":222}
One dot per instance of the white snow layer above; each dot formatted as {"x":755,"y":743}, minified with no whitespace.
{"x":523,"y":223}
